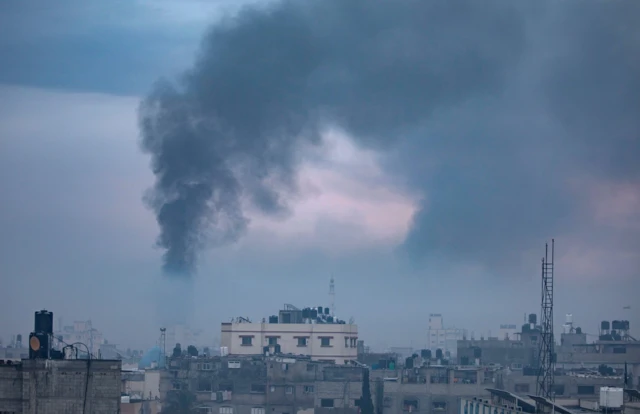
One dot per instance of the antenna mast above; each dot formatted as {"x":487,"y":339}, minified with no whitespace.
{"x":332,"y":295}
{"x":546,"y":355}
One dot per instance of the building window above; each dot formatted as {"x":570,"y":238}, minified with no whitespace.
{"x":257,"y":410}
{"x":410,"y":404}
{"x":258,"y":388}
{"x":558,"y":389}
{"x":354,"y":342}
{"x":204,"y":367}
{"x":346,"y":342}
{"x":302,"y":341}
{"x":387,"y":402}
{"x":226,"y":410}
{"x":325,"y":341}
{"x":521,"y":388}
{"x":620,"y":350}
{"x":308,"y":389}
{"x":326,"y":403}
{"x":288,"y":389}
{"x":273,"y":340}
{"x":439,"y":406}
{"x":586,"y":389}
{"x":204,"y":384}
{"x":247,"y":340}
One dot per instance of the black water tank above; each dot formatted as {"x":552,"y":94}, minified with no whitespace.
{"x":464,"y":360}
{"x":265,"y":350}
{"x":605,"y":325}
{"x":305,"y":313}
{"x":320,"y":308}
{"x":408,"y":363}
{"x":326,"y":311}
{"x":616,"y":325}
{"x":277,"y":349}
{"x":625,"y":325}
{"x":19,"y":338}
{"x":330,"y":319}
{"x":578,"y":330}
{"x":273,"y":319}
{"x":314,"y":313}
{"x":44,"y":322}
{"x":438,"y":353}
{"x":425,"y":354}
{"x":533,"y":318}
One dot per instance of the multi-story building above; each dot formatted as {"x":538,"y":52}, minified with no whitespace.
{"x":184,"y":335}
{"x":441,"y":337}
{"x":309,"y":332}
{"x":83,"y":332}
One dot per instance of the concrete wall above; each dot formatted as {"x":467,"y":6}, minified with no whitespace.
{"x":46,"y":386}
{"x":343,"y":339}
{"x":566,"y":386}
{"x":140,"y":407}
{"x":11,"y":388}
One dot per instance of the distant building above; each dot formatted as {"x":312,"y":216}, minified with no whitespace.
{"x":441,"y":337}
{"x":508,"y":331}
{"x":184,"y":335}
{"x":83,"y":332}
{"x":309,"y":332}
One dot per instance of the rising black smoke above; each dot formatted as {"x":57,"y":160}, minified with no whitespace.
{"x":463,"y":95}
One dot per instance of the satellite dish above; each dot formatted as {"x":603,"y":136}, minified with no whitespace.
{"x":34,"y":343}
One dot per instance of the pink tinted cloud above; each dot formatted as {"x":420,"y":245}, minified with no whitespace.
{"x":346,"y":202}
{"x":603,"y":246}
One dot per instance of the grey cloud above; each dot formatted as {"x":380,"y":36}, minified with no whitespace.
{"x":273,"y":77}
{"x":488,"y":108}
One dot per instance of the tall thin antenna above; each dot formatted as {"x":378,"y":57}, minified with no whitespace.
{"x":163,"y":344}
{"x":332,"y":296}
{"x":546,"y":354}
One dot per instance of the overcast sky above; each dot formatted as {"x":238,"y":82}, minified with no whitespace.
{"x":455,"y":141}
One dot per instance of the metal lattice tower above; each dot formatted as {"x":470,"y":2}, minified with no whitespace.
{"x":546,"y":355}
{"x":332,"y":295}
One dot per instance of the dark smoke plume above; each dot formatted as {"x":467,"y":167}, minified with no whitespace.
{"x":461,"y":94}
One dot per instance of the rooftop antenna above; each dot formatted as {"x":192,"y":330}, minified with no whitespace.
{"x":332,"y":296}
{"x":546,"y":354}
{"x":163,"y":343}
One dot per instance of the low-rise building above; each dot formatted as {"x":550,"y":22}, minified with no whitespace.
{"x":47,"y":386}
{"x":441,"y":337}
{"x":309,"y":332}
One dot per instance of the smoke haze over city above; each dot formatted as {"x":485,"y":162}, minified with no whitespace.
{"x":420,"y":153}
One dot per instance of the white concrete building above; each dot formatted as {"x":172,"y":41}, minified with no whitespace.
{"x":441,"y":337}
{"x":508,"y":331}
{"x":298,"y":332}
{"x":83,"y":332}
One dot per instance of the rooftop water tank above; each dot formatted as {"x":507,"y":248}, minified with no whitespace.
{"x":611,"y":397}
{"x":568,"y":318}
{"x":44,"y":322}
{"x":533,"y":318}
{"x":605,"y":326}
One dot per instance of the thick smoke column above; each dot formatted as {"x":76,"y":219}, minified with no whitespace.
{"x":458,"y":89}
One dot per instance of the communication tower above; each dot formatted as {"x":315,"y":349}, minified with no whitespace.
{"x":546,"y":354}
